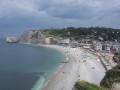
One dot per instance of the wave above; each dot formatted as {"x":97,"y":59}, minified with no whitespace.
{"x":38,"y":85}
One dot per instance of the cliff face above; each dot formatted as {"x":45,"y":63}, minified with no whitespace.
{"x":34,"y":36}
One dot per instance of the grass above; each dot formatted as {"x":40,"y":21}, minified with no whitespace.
{"x":82,"y":85}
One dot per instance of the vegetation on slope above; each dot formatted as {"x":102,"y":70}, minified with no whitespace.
{"x":82,"y":85}
{"x":116,"y":57}
{"x":111,"y":77}
{"x":79,"y":33}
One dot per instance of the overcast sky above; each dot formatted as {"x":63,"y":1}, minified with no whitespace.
{"x":17,"y":16}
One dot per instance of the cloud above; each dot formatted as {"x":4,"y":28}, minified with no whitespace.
{"x":19,"y":15}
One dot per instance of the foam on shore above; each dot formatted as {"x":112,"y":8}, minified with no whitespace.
{"x":76,"y":69}
{"x":38,"y":85}
{"x":42,"y":80}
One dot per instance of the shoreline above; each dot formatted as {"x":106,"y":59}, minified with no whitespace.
{"x":53,"y":47}
{"x":75,"y":69}
{"x":78,"y":65}
{"x":59,"y":68}
{"x":37,"y":85}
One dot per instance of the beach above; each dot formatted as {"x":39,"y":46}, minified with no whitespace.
{"x":79,"y":65}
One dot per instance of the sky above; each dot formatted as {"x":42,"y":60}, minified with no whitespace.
{"x":17,"y":16}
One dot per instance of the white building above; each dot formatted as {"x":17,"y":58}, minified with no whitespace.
{"x":64,"y":41}
{"x":86,"y":46}
{"x":98,"y":46}
{"x":116,"y":46}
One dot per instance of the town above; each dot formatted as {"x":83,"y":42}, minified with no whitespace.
{"x":106,"y":48}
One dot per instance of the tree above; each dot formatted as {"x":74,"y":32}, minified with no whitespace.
{"x":111,"y":77}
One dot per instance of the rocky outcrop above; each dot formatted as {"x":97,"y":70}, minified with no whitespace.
{"x":33,"y":36}
{"x":11,"y":40}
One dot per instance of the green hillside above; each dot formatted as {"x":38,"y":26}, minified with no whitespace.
{"x":82,"y":85}
{"x":79,"y":33}
{"x":111,"y":76}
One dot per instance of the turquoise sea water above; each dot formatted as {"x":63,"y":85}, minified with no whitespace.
{"x":26,"y":67}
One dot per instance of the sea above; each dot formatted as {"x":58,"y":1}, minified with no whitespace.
{"x":26,"y":67}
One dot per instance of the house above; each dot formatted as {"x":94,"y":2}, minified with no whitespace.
{"x":86,"y":40}
{"x":86,"y":46}
{"x":106,"y":47}
{"x":74,"y":44}
{"x":116,"y":46}
{"x":64,"y":41}
{"x":97,"y":46}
